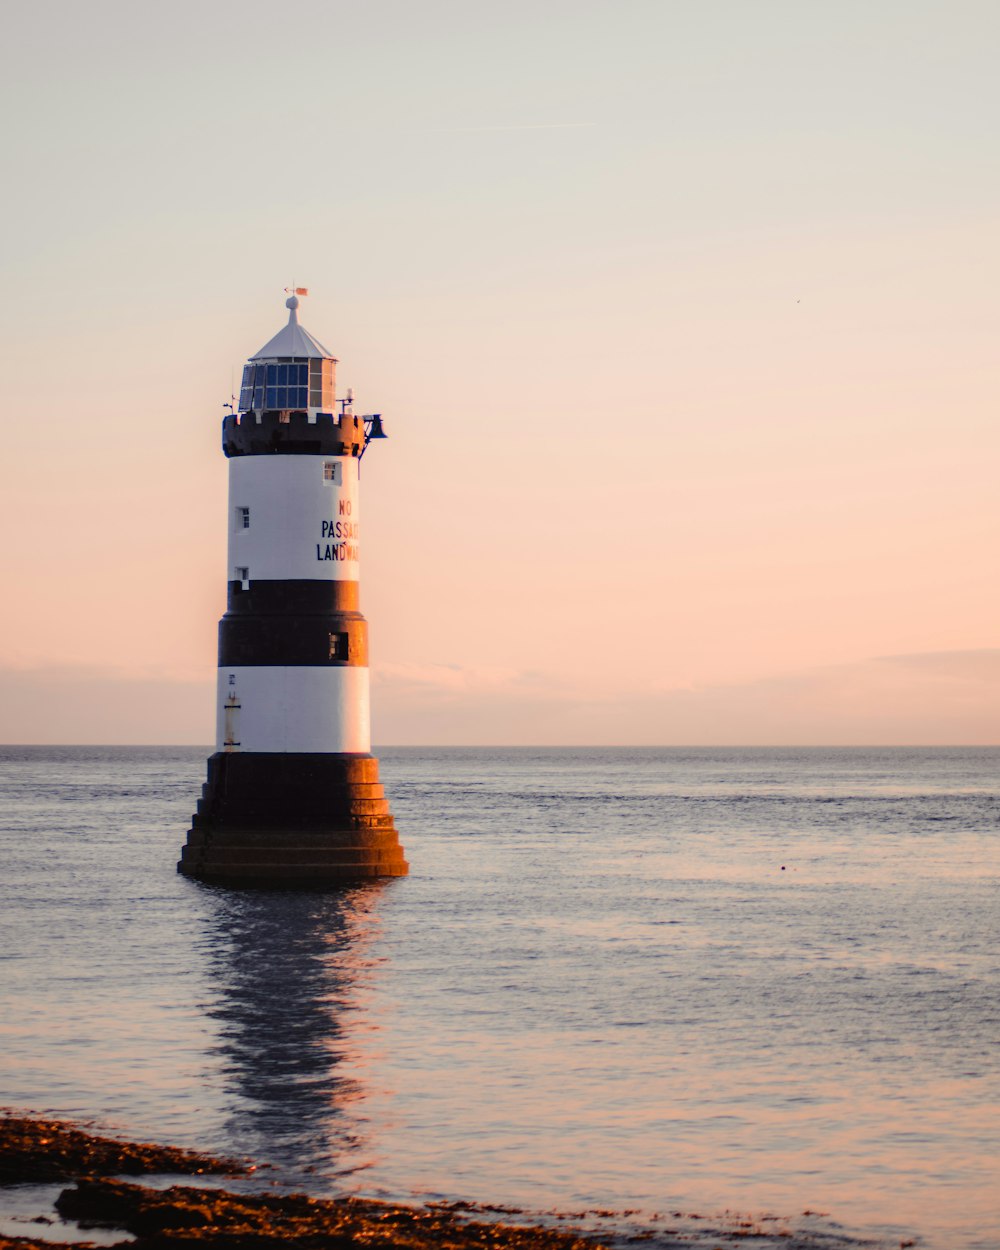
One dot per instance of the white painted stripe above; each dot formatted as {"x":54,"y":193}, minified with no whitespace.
{"x":302,"y":525}
{"x":293,"y":709}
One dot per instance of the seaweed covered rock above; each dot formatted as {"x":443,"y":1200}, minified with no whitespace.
{"x":39,"y":1151}
{"x":214,"y":1219}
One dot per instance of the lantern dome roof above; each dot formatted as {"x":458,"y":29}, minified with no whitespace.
{"x":293,"y":340}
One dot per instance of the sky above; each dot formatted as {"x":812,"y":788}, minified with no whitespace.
{"x":681,"y":318}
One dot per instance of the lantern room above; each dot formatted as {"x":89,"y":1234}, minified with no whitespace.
{"x":291,"y":372}
{"x":288,"y":384}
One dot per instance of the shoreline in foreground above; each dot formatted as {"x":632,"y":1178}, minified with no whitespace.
{"x":37,"y":1151}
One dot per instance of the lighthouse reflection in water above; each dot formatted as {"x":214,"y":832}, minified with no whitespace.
{"x":294,"y":970}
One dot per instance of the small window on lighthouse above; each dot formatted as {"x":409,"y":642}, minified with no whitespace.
{"x":243,"y":576}
{"x":331,"y":471}
{"x":242,"y":518}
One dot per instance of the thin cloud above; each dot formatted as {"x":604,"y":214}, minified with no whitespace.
{"x":476,"y":130}
{"x":918,"y":698}
{"x":444,"y":678}
{"x":943,"y":697}
{"x":973,"y":662}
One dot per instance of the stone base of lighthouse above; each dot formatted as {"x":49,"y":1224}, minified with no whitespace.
{"x":292,"y":820}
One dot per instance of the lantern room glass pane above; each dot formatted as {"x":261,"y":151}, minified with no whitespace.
{"x":288,"y":385}
{"x":246,"y":388}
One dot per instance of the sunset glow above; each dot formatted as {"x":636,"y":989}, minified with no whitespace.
{"x":681,"y":319}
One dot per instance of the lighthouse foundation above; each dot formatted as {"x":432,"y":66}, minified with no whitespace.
{"x":292,"y":820}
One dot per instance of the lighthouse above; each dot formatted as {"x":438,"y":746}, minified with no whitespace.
{"x":293,"y":795}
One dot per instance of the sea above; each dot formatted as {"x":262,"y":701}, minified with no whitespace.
{"x":677,"y":994}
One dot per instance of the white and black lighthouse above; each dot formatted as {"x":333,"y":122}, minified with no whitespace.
{"x":293,"y":795}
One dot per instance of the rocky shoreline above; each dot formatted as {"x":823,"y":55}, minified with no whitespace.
{"x":36,"y":1152}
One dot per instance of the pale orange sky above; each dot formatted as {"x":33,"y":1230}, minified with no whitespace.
{"x":681,"y":320}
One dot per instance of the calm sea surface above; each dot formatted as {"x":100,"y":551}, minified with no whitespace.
{"x":669,"y":980}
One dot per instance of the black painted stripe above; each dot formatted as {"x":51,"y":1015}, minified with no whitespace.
{"x":291,"y":598}
{"x":334,"y":639}
{"x":293,"y":792}
{"x":267,"y":434}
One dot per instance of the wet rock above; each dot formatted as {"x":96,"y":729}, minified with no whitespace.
{"x":182,"y":1218}
{"x":33,"y":1150}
